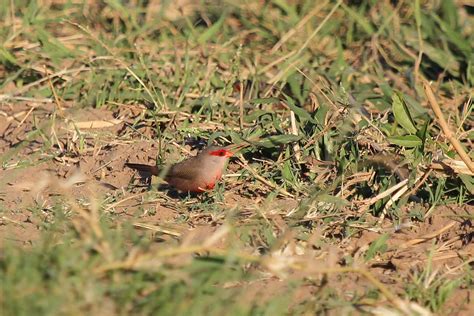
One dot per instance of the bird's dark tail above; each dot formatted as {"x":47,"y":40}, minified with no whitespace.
{"x":153,"y":170}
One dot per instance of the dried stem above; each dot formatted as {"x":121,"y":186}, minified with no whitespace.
{"x":444,"y":126}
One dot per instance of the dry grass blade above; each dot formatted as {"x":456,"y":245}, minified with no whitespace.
{"x":158,"y":229}
{"x":384,"y":194}
{"x":428,"y":236}
{"x":456,"y":166}
{"x":94,"y":124}
{"x":444,"y":126}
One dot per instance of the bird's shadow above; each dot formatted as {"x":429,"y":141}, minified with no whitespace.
{"x":145,"y":180}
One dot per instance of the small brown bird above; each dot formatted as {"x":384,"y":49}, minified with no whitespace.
{"x":195,"y":174}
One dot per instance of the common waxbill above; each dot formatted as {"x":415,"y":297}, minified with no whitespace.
{"x":195,"y":174}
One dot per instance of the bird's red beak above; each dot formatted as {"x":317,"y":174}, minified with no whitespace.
{"x":228,"y":153}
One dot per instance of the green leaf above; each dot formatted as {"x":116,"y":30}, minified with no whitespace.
{"x":264,"y":101}
{"x":294,"y":82}
{"x":377,"y":246}
{"x":402,"y":114}
{"x":417,"y":12}
{"x":6,"y":56}
{"x":406,"y":141}
{"x":449,"y":12}
{"x":287,"y":172}
{"x":288,"y":8}
{"x":454,"y":37}
{"x":118,"y":6}
{"x":442,"y":57}
{"x":256,"y":114}
{"x":301,"y":113}
{"x":414,"y":107}
{"x":361,"y":20}
{"x":470,"y":72}
{"x":212,"y":31}
{"x":276,"y":140}
{"x":339,"y":64}
{"x":53,"y":47}
{"x":468,"y":182}
{"x":470,"y":135}
{"x":423,"y":133}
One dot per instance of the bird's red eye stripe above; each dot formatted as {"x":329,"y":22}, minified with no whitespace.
{"x":221,"y":153}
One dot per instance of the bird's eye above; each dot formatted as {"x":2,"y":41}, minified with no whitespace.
{"x":219,"y":153}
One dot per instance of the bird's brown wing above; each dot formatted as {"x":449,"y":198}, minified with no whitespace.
{"x":187,"y":170}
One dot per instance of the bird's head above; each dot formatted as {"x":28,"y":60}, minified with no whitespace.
{"x":216,"y":156}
